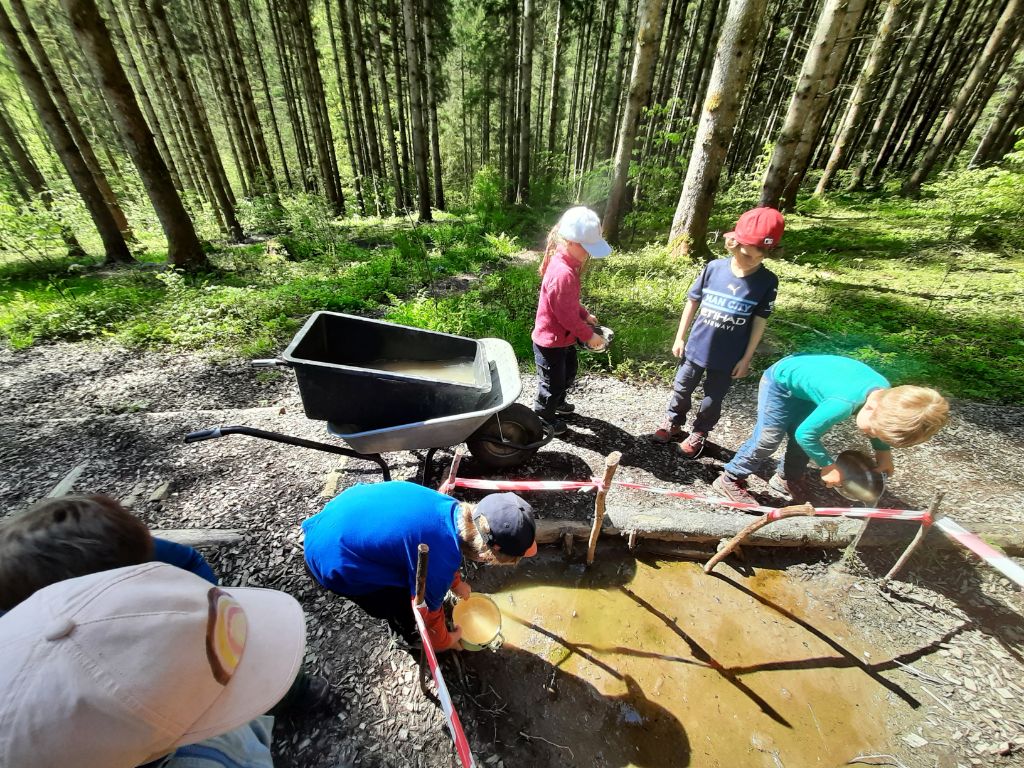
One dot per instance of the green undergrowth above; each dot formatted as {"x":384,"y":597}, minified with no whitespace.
{"x":928,"y":290}
{"x":256,"y":297}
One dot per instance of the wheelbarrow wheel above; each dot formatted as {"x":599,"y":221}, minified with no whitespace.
{"x":497,"y":443}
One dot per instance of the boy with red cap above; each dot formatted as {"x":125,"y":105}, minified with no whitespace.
{"x":728,"y":306}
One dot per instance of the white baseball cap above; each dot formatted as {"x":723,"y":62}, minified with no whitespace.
{"x":581,"y":225}
{"x":118,"y":668}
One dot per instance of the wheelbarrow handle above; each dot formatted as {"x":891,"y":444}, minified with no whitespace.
{"x":270,"y":362}
{"x":203,"y":434}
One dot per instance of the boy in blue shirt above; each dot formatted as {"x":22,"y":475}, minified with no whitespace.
{"x":734,"y":296}
{"x":363,"y":546}
{"x":804,"y":396}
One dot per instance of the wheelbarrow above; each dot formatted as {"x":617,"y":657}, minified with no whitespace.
{"x":385,"y":387}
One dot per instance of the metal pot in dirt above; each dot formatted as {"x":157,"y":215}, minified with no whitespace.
{"x":480,"y":620}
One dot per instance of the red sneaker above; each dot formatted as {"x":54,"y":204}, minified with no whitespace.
{"x":693,"y":446}
{"x":668,"y":433}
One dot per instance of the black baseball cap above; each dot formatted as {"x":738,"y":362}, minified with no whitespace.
{"x":511,"y":522}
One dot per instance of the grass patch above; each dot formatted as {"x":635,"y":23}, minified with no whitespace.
{"x":928,"y":291}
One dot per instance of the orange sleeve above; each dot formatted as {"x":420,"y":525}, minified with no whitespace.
{"x":456,"y":581}
{"x":437,"y":630}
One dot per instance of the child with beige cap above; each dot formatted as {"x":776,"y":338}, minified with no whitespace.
{"x":142,"y":665}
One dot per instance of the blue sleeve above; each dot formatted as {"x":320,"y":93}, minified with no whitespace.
{"x":183,"y":557}
{"x":767,"y":303}
{"x":696,"y":291}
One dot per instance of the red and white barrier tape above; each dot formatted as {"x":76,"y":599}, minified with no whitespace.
{"x":575,"y":485}
{"x":949,"y":527}
{"x":450,"y":715}
{"x":986,"y":552}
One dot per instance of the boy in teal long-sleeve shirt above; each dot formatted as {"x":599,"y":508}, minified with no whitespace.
{"x":804,"y":396}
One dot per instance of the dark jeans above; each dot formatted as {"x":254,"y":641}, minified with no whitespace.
{"x":778,"y":416}
{"x":716,"y":386}
{"x":393,"y":604}
{"x":556,"y":371}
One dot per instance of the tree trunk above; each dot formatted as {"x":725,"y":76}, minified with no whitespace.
{"x":396,"y":63}
{"x":312,"y":86}
{"x":347,"y":120}
{"x":1003,"y":27}
{"x":985,"y":153}
{"x":114,"y":246}
{"x":725,"y":94}
{"x":648,"y":39}
{"x":366,"y":102}
{"x":596,"y":81}
{"x":978,"y":104}
{"x":29,"y":171}
{"x":192,"y":111}
{"x":265,"y":87}
{"x":812,"y":130}
{"x":556,"y":77}
{"x":864,"y":91}
{"x":385,"y":96}
{"x":431,"y":67}
{"x":792,"y":139}
{"x":419,"y":144}
{"x":885,"y":113}
{"x":70,"y":118}
{"x":511,"y":100}
{"x":183,"y":248}
{"x":525,"y":97}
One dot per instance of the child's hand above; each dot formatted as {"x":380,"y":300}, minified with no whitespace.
{"x":883,"y":463}
{"x":462,"y":590}
{"x":454,"y":641}
{"x":678,"y":346}
{"x":831,"y":476}
{"x":741,"y":369}
{"x":591,"y":320}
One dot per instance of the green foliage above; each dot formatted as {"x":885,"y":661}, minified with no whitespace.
{"x":256,"y":299}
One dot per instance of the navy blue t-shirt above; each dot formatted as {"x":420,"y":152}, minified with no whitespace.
{"x":366,"y":538}
{"x":721,"y":329}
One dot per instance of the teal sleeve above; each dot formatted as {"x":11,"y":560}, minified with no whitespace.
{"x":828,"y":413}
{"x":879,"y":445}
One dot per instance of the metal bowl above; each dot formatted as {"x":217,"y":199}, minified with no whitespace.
{"x":607,"y":334}
{"x":861,"y":482}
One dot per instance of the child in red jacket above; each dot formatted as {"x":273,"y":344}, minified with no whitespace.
{"x":561,"y":319}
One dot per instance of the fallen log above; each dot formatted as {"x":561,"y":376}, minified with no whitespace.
{"x":201,"y":537}
{"x":817,"y":532}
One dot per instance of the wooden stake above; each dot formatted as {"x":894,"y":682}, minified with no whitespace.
{"x":453,"y":470}
{"x":611,"y":463}
{"x":567,"y":544}
{"x":761,"y":522}
{"x":933,"y":514}
{"x":422,"y":555}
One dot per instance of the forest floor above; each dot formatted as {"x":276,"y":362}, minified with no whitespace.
{"x":937,"y":655}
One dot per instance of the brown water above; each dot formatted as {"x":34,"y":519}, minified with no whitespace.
{"x":456,"y":371}
{"x":659,"y":665}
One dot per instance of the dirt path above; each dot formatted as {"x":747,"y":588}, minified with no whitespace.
{"x":952,"y":631}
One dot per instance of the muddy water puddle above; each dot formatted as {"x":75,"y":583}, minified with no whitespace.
{"x":455,"y":371}
{"x":656,"y":664}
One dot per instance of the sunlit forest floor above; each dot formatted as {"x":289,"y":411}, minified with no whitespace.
{"x":927,"y":290}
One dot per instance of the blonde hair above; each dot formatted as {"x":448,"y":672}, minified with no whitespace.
{"x":908,"y":415}
{"x":553,"y":241}
{"x":472,"y":539}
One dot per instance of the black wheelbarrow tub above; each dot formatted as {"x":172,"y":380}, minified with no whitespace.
{"x":333,"y":356}
{"x":450,"y":429}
